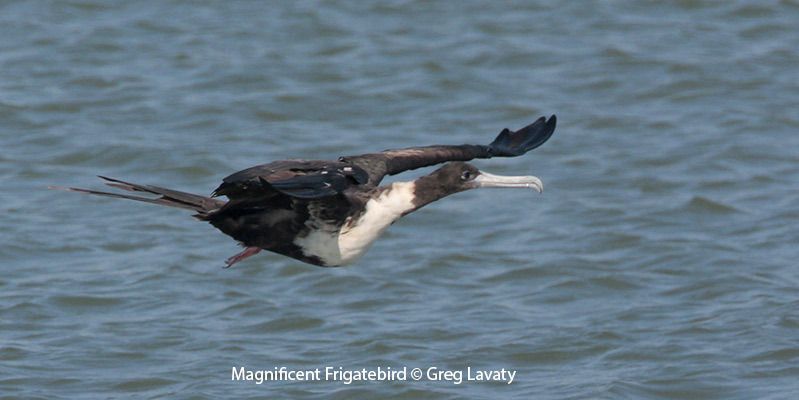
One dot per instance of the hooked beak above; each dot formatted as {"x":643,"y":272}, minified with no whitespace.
{"x":486,"y":180}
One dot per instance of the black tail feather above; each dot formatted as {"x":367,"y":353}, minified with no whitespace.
{"x":168,"y":197}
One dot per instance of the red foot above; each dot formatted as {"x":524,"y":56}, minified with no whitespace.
{"x":249,"y":251}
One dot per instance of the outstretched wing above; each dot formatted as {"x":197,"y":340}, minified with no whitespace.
{"x":507,"y":144}
{"x":295,"y":178}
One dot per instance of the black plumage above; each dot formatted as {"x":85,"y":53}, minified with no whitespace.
{"x":313,"y":210}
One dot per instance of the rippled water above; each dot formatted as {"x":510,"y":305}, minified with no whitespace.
{"x":659,"y":263}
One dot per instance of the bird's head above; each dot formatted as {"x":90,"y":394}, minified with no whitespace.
{"x":458,"y":176}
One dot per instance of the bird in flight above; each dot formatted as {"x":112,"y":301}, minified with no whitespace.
{"x":328,"y":213}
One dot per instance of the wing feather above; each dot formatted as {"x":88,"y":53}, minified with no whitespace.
{"x":295,"y":178}
{"x":507,"y":144}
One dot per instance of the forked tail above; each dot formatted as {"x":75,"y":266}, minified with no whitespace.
{"x":201,"y":204}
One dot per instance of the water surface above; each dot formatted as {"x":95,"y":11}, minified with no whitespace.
{"x":660,"y":262}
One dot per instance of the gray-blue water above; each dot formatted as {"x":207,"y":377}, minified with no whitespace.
{"x":660,"y":262}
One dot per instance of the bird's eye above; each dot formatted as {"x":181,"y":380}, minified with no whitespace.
{"x":466,"y":175}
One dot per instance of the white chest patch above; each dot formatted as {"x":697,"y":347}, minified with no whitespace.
{"x":357,"y":235}
{"x":342,"y":247}
{"x":321,"y":241}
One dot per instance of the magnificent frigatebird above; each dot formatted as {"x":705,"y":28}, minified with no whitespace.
{"x":328,"y":213}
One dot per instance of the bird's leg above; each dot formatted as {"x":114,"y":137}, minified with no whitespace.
{"x":249,"y":251}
